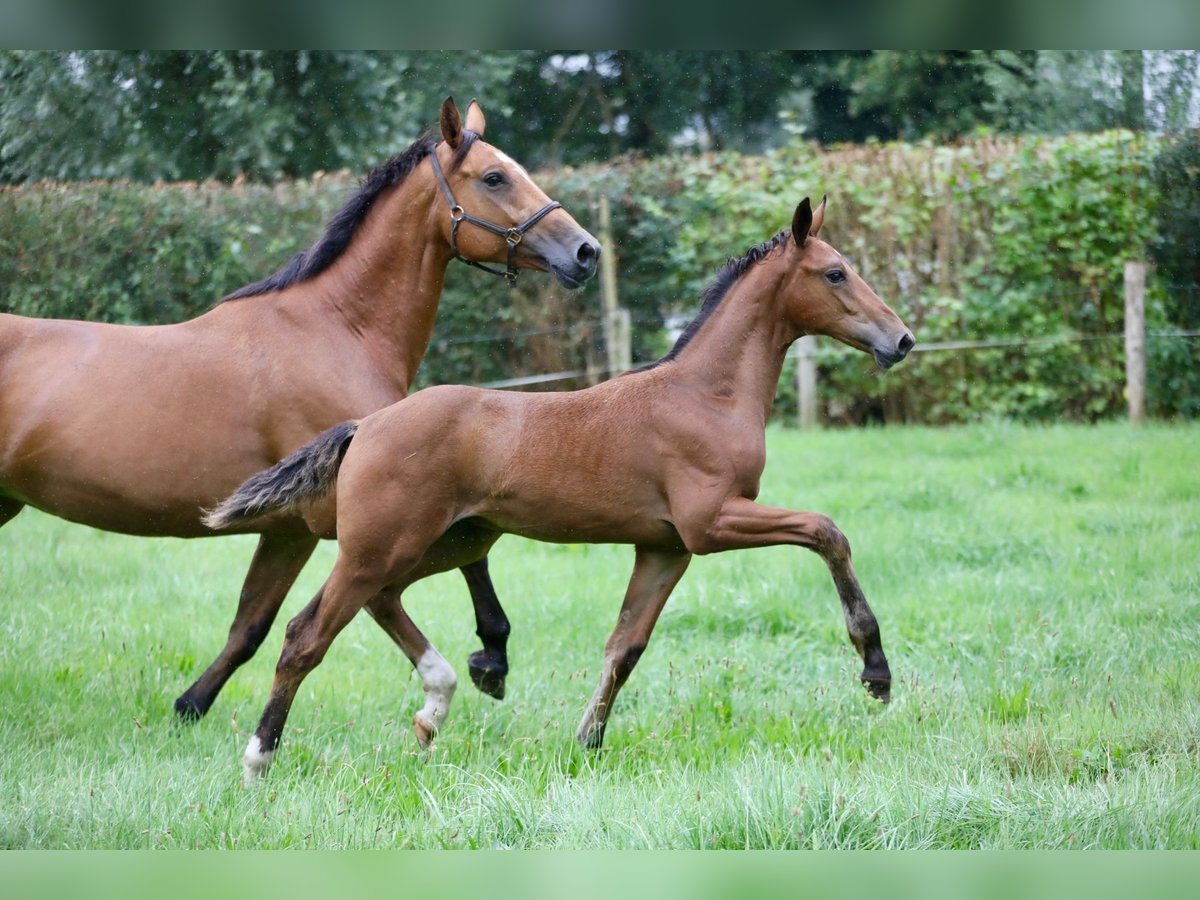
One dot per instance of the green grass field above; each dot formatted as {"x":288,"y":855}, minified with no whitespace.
{"x":1038,"y":592}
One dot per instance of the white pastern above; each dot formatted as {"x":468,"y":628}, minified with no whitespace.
{"x":256,"y":761}
{"x":440,"y":682}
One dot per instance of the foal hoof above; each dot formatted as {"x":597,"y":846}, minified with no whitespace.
{"x":424,"y":731}
{"x":488,"y":672}
{"x":591,"y":737}
{"x":878,"y":686}
{"x":188,"y":710}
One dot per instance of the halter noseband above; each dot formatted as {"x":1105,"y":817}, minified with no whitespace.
{"x":511,"y":235}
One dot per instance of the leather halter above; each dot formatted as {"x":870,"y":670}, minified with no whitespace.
{"x":511,"y":235}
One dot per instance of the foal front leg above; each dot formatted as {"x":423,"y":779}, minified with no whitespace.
{"x":744,"y":523}
{"x":655,"y":574}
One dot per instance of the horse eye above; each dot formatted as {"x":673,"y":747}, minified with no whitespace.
{"x":493,"y":179}
{"x":835,"y":276}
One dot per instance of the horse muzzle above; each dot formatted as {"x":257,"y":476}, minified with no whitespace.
{"x":888,"y":356}
{"x":572,"y":262}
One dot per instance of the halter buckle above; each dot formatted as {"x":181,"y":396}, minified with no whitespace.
{"x":513,"y":237}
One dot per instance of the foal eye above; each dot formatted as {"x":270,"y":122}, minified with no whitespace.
{"x":493,"y":179}
{"x":835,"y":276}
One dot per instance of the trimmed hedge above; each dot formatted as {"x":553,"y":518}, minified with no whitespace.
{"x":995,"y":238}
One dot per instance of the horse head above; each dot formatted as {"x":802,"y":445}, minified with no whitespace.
{"x":498,"y":214}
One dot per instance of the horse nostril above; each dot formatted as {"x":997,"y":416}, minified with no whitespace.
{"x":907,"y":342}
{"x":587,"y":254}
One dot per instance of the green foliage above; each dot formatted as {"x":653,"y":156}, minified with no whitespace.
{"x":1021,"y":239}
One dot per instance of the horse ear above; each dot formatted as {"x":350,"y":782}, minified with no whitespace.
{"x":475,"y":120}
{"x":451,"y":123}
{"x":818,"y":217}
{"x":801,"y":222}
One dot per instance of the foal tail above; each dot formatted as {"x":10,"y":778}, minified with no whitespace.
{"x":306,"y":474}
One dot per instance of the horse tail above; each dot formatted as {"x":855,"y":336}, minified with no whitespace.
{"x":306,"y":474}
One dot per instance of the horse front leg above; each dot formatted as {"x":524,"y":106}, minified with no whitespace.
{"x":655,"y":574}
{"x":488,"y":666}
{"x":743,"y":523}
{"x":276,"y":564}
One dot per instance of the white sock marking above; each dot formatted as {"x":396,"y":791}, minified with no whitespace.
{"x":256,"y":761}
{"x":440,"y":682}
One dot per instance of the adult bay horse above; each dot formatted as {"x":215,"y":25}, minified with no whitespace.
{"x":137,"y":429}
{"x":667,"y":458}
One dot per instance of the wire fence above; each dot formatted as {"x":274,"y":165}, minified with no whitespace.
{"x":822,"y":354}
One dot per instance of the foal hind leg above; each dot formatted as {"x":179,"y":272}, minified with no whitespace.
{"x":488,"y":666}
{"x":307,"y":639}
{"x":277,"y":562}
{"x":655,"y":574}
{"x":464,"y":545}
{"x":437,"y":677}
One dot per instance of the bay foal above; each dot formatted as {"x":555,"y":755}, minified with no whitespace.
{"x":137,"y":429}
{"x":666,"y":458}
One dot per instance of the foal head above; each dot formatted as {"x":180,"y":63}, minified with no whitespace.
{"x":826,"y":296}
{"x":487,"y":184}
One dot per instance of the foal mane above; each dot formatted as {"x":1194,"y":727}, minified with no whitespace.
{"x":342,"y":226}
{"x":712,"y":295}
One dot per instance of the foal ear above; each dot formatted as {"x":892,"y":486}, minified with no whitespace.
{"x":818,"y":217}
{"x":475,"y":120}
{"x":451,"y":123}
{"x":802,"y":221}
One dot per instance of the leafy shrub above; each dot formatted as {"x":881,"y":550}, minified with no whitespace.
{"x":1018,"y":238}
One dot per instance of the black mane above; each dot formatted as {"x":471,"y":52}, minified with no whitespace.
{"x":342,"y":226}
{"x":716,"y":291}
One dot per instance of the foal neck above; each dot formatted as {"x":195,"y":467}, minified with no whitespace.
{"x":737,"y":354}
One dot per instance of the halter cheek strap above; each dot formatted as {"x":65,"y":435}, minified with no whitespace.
{"x":511,"y":235}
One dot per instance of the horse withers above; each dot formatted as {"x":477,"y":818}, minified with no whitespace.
{"x":666,"y":458}
{"x":137,"y":429}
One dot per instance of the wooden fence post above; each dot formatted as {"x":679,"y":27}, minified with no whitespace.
{"x":1135,"y":340}
{"x":616,"y":320}
{"x":806,"y":380}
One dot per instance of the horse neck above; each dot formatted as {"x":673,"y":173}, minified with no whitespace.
{"x":386,"y":285}
{"x":737,"y":355}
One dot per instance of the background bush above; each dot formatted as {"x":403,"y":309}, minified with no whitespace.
{"x":993,"y":238}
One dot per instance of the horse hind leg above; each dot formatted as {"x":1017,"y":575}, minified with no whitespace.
{"x":276,"y":564}
{"x":488,"y":666}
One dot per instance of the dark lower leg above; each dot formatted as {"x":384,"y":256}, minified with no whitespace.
{"x":488,"y":666}
{"x":9,"y":508}
{"x":277,"y":562}
{"x":863,"y":630}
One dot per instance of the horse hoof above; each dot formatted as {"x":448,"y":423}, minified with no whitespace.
{"x":488,"y":673}
{"x":424,"y":732}
{"x":879,"y":687}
